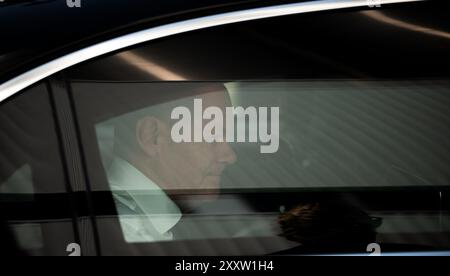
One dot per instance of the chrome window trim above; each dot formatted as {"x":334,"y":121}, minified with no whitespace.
{"x":32,"y":76}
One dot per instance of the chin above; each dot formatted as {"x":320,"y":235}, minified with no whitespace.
{"x":205,"y":192}
{"x":209,"y":189}
{"x":211,"y":184}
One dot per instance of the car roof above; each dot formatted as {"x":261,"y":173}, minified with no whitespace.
{"x":36,"y":31}
{"x":38,"y":42}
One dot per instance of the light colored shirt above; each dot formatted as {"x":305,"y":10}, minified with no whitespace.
{"x":146,"y":213}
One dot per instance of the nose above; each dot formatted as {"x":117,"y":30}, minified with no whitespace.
{"x":225,"y":154}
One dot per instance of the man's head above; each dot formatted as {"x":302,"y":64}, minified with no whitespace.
{"x":144,"y":139}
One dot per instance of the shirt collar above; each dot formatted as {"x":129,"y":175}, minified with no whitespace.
{"x":142,"y":192}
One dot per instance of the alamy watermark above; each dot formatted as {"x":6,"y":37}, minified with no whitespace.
{"x":373,"y":3}
{"x":74,"y":249}
{"x":218,"y":123}
{"x":73,"y":3}
{"x":77,"y":3}
{"x":374,"y":249}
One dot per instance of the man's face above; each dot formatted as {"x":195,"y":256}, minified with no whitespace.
{"x":195,"y":166}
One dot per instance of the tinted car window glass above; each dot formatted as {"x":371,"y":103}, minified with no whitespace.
{"x":33,"y":199}
{"x":341,"y":135}
{"x":332,"y":148}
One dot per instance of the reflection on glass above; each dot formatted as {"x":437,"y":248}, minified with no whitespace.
{"x":332,"y":134}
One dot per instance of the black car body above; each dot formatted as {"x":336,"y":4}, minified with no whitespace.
{"x":364,"y":94}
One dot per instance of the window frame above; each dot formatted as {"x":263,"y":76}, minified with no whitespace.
{"x":58,"y":84}
{"x":24,"y":80}
{"x":53,"y":99}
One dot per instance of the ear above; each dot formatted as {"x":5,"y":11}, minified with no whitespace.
{"x":147,"y":133}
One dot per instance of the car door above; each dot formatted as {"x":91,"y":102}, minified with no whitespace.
{"x":359,"y":144}
{"x":339,"y":135}
{"x":39,"y":210}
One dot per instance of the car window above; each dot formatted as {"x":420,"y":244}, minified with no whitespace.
{"x":245,"y":140}
{"x":327,"y":134}
{"x":33,"y":199}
